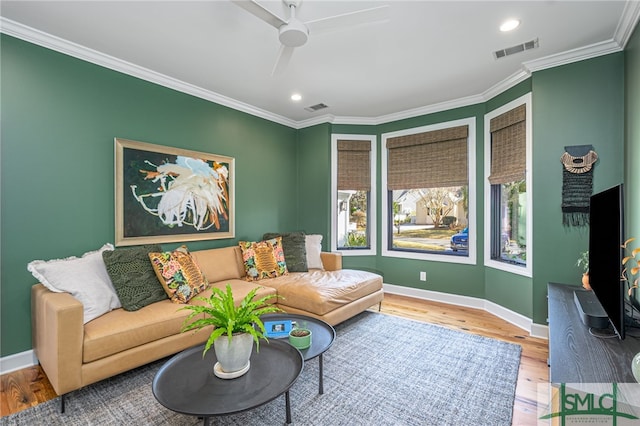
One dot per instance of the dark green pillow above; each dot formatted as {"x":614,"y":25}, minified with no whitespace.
{"x":133,"y":276}
{"x":295,"y":252}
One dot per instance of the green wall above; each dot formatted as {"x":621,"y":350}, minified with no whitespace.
{"x":575,"y":104}
{"x":632,"y":139}
{"x":579,"y":103}
{"x":314,"y":186}
{"x":59,"y":117}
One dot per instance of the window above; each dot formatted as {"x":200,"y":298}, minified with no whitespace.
{"x":353,"y":221}
{"x":428,"y":176}
{"x":508,"y":232}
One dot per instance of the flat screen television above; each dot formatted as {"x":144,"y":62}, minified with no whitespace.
{"x":606,"y":236}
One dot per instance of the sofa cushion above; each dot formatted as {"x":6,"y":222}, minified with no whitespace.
{"x":320,"y":292}
{"x":294,"y":246}
{"x":220,"y":263}
{"x":178,"y":273}
{"x":240,"y":289}
{"x":313,"y":245}
{"x":85,"y":278}
{"x":120,"y":330}
{"x":263,"y":259}
{"x":133,"y":276}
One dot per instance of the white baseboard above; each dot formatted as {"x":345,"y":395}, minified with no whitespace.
{"x":519,"y":320}
{"x":539,"y":330}
{"x":28,"y":358}
{"x":18,"y":361}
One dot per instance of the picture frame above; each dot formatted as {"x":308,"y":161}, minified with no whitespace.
{"x":275,"y":329}
{"x":165,"y":194}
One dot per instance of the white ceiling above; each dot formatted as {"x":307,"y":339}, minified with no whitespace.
{"x":428,"y":56}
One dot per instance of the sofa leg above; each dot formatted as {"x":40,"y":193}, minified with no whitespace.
{"x":62,"y":398}
{"x":380,"y":307}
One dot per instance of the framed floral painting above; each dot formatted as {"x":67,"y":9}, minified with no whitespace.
{"x":166,"y":194}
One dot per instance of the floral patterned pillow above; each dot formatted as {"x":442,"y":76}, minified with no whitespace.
{"x":179,"y":274}
{"x":263,"y":259}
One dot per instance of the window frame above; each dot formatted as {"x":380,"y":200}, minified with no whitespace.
{"x":372,"y":224}
{"x":471,"y":161}
{"x":527,"y":270}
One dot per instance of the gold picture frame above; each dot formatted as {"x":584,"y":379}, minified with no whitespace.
{"x":165,"y":194}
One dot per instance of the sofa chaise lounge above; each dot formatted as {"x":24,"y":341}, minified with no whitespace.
{"x":74,"y":354}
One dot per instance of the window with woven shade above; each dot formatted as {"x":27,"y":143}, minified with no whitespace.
{"x":508,"y":200}
{"x":353,"y":200}
{"x":508,"y":146}
{"x":428,"y":160}
{"x":427,"y":172}
{"x":354,"y":165}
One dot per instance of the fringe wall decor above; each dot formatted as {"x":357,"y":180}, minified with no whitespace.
{"x":577,"y":183}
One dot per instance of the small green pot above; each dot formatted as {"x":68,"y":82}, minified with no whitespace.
{"x":300,"y":342}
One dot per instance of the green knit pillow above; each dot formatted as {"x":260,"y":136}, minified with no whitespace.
{"x":133,"y":276}
{"x":295,"y":252}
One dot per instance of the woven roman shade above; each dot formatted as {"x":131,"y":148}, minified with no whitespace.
{"x":428,"y":160}
{"x":354,"y":165}
{"x":508,"y":146}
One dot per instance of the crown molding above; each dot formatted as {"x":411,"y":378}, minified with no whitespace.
{"x":430,"y":109}
{"x":363,"y":121}
{"x":507,"y":83}
{"x":374,"y":121}
{"x":628,"y":22}
{"x":573,"y":55}
{"x":322,"y":119}
{"x":75,"y":50}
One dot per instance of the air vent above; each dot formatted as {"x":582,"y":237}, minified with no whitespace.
{"x":316,"y":107}
{"x":516,"y":49}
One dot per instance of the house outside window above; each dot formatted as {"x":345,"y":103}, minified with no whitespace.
{"x":508,"y":232}
{"x":353,"y":201}
{"x":428,"y":180}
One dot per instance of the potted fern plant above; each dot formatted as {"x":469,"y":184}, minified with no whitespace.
{"x":235,"y":328}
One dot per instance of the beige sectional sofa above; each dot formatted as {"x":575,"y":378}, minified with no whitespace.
{"x":74,"y":354}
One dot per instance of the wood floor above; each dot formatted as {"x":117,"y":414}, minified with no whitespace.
{"x":28,"y":387}
{"x":535,"y":351}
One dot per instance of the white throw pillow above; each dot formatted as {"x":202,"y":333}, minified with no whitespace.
{"x":313,"y":245}
{"x":85,"y":278}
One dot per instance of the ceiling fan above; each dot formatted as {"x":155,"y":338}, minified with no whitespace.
{"x":295,"y":33}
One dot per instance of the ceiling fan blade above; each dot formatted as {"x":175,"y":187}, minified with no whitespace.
{"x":284,"y":56}
{"x":259,"y":11}
{"x":375,"y":15}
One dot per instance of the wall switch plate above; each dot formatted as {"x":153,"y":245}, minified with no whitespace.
{"x":423,"y":276}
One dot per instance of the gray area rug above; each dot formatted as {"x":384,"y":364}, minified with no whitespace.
{"x":381,"y":370}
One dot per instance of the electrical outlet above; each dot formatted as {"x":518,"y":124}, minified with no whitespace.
{"x":423,"y":276}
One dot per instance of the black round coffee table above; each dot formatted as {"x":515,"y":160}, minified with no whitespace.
{"x":186,"y":383}
{"x":322,"y":337}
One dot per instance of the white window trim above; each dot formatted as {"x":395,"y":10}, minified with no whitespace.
{"x":372,"y":223}
{"x":471,"y":258}
{"x":526,"y":271}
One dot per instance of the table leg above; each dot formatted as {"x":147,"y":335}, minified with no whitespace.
{"x":287,"y":403}
{"x":321,"y":385}
{"x":206,"y":421}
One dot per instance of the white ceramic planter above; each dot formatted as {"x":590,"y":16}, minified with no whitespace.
{"x":635,"y":367}
{"x":233,"y":357}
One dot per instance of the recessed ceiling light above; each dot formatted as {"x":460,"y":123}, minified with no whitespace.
{"x":296,"y":97}
{"x":509,"y":25}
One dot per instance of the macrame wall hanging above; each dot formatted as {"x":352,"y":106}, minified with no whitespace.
{"x":577,"y":183}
